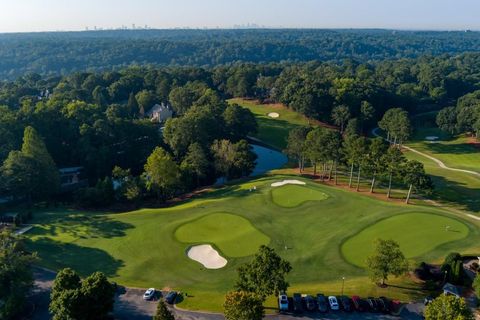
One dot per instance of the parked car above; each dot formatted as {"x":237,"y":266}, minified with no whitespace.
{"x":357,"y":304}
{"x":171,"y":297}
{"x":283,"y":302}
{"x":387,"y":303}
{"x":346,"y":303}
{"x":372,"y":304}
{"x":322,"y":303}
{"x":149,"y":294}
{"x":297,"y":303}
{"x":309,"y":302}
{"x":333,"y":302}
{"x":381,"y":305}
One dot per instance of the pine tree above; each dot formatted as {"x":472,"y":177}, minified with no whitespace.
{"x":162,"y":312}
{"x":132,"y":105}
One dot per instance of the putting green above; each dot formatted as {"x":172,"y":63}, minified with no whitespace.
{"x":291,"y":196}
{"x":233,"y":235}
{"x":416,"y":233}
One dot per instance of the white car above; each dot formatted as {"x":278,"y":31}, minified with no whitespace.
{"x":283,"y":302}
{"x":149,"y":294}
{"x":332,"y":301}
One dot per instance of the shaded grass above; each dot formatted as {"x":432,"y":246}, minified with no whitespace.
{"x":416,"y":233}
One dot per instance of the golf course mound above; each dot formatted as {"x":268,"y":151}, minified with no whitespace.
{"x":273,"y":115}
{"x":291,"y":195}
{"x":233,"y":235}
{"x":207,"y":256}
{"x":416,"y":233}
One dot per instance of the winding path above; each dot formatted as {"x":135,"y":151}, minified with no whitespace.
{"x":437,"y":161}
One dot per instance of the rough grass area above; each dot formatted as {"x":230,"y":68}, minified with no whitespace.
{"x":234,"y":236}
{"x":416,"y":233}
{"x":291,"y":196}
{"x":141,"y":248}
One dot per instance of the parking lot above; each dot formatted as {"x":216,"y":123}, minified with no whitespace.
{"x":129,"y":304}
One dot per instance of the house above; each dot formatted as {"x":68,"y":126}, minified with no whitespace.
{"x":72,"y":179}
{"x":159,"y":113}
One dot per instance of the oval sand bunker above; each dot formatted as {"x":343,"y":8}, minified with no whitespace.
{"x":273,"y":115}
{"x":285,"y":182}
{"x":207,"y":256}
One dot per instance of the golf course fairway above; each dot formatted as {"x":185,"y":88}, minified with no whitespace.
{"x":323,"y":240}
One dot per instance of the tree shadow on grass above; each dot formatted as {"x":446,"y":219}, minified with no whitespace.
{"x":456,"y":193}
{"x":84,"y":260}
{"x":83,"y":226}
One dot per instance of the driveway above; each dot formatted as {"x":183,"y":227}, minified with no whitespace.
{"x":129,"y":305}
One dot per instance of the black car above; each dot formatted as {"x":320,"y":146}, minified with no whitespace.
{"x":322,"y":303}
{"x":372,"y":304}
{"x":387,"y":303}
{"x":346,"y":303}
{"x":381,"y":305}
{"x":171,"y":297}
{"x":297,"y":303}
{"x":309,"y":303}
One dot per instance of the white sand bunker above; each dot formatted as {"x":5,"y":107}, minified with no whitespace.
{"x":207,"y":256}
{"x":285,"y":182}
{"x":273,"y":115}
{"x":431,"y":138}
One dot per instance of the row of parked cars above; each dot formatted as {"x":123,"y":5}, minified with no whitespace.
{"x":153,"y":294}
{"x":304,"y":302}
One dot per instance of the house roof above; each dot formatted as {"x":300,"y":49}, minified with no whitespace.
{"x":450,"y":288}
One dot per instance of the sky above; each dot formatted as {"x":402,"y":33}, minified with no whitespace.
{"x":55,"y":15}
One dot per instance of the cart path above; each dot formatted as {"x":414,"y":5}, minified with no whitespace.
{"x":437,"y":161}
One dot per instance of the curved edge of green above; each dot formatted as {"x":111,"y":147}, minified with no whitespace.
{"x":322,"y":196}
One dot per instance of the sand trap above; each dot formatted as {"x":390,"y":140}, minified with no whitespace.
{"x":431,"y":138}
{"x":273,"y":115}
{"x":285,"y":182}
{"x":207,"y":256}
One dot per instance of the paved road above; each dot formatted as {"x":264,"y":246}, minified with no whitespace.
{"x":129,"y":305}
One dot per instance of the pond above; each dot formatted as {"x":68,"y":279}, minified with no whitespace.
{"x":268,"y":159}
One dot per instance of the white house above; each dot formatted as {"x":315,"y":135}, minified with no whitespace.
{"x":159,"y":113}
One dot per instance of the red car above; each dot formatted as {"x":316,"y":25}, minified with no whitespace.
{"x":358,"y":304}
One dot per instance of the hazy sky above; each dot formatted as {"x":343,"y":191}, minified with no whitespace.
{"x":41,"y":15}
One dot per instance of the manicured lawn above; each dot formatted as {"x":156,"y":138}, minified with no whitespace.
{"x":273,"y":131}
{"x":290,"y":196}
{"x":233,"y":235}
{"x":142,"y":248}
{"x":456,"y":152}
{"x":416,"y":233}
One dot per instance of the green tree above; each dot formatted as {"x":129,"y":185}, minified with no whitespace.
{"x":162,"y":173}
{"x":162,"y":312}
{"x":296,"y":145}
{"x":133,"y":108}
{"x":447,"y":120}
{"x":242,"y":305}
{"x":375,"y":159}
{"x":367,"y":114}
{"x":264,"y":275}
{"x":387,"y":259}
{"x":239,"y":122}
{"x":87,"y":299}
{"x":315,"y":148}
{"x":340,"y":116}
{"x":393,"y":160}
{"x":233,"y":160}
{"x":196,"y":163}
{"x":16,"y":277}
{"x":448,"y":307}
{"x":413,"y":173}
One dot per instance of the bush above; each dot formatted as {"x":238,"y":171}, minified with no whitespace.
{"x":101,"y":195}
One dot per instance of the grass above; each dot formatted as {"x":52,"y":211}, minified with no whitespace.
{"x":273,"y":132}
{"x":234,"y":236}
{"x":416,"y":233}
{"x":290,"y":196}
{"x":456,"y":152}
{"x":142,"y":249}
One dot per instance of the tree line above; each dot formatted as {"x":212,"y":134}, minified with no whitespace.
{"x":100,"y":50}
{"x":379,"y":159}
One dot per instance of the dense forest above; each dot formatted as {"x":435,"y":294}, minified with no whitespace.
{"x":66,"y":52}
{"x":98,"y":120}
